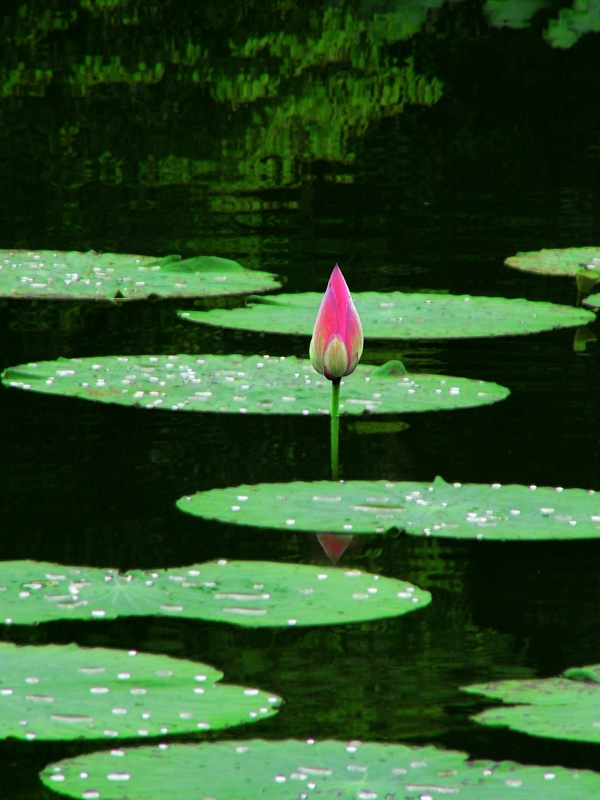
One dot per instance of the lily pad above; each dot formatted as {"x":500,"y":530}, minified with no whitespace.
{"x":71,"y":692}
{"x":566,"y":707}
{"x":568,"y":261}
{"x":52,"y":275}
{"x":247,"y":385}
{"x":592,"y":301}
{"x":255,"y":594}
{"x":469,"y":511}
{"x":238,"y":770}
{"x":400,"y":316}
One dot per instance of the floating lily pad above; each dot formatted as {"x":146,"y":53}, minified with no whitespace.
{"x":469,"y":511}
{"x":247,"y":385}
{"x":567,"y":707}
{"x":568,"y":261}
{"x":71,"y":692}
{"x":401,"y":316}
{"x":284,"y":770}
{"x":250,"y":593}
{"x":52,"y":275}
{"x":592,"y":301}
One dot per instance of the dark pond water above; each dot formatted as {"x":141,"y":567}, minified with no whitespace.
{"x":313,"y":169}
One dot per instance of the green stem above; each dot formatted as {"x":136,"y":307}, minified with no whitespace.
{"x":335,"y":428}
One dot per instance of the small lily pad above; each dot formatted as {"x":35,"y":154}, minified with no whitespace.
{"x":71,"y":692}
{"x":400,"y":316}
{"x":568,"y":261}
{"x":52,"y":275}
{"x":567,"y":707}
{"x":247,"y":385}
{"x":284,"y":770}
{"x":592,"y":301}
{"x":469,"y":511}
{"x":255,"y":594}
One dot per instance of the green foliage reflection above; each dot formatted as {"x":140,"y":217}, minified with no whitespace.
{"x":288,"y":111}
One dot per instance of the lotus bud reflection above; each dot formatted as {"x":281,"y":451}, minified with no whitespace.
{"x":334,"y":544}
{"x":337,"y":340}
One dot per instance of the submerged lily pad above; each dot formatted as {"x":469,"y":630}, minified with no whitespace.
{"x":567,"y":707}
{"x":284,"y":770}
{"x":369,"y":427}
{"x":247,"y":385}
{"x":71,"y":692}
{"x":255,"y":594}
{"x":52,"y":275}
{"x":568,"y":261}
{"x":469,"y":511}
{"x":401,"y":316}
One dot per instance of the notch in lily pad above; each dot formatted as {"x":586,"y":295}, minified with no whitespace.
{"x":71,"y":692}
{"x":458,"y":511}
{"x":58,"y":275}
{"x":281,"y":770}
{"x":246,"y":385}
{"x":253,"y":594}
{"x":566,"y":707}
{"x":397,"y":315}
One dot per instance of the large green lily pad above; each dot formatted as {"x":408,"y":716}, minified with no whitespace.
{"x":247,"y":385}
{"x":401,"y":316}
{"x":566,"y":707}
{"x":52,"y":275}
{"x":328,"y":770}
{"x":71,"y":692}
{"x":567,"y":261}
{"x":469,"y":511}
{"x":255,"y":594}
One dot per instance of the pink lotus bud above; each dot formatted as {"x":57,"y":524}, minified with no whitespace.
{"x":337,"y":339}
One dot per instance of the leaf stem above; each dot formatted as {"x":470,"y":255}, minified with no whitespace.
{"x":335,"y":427}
